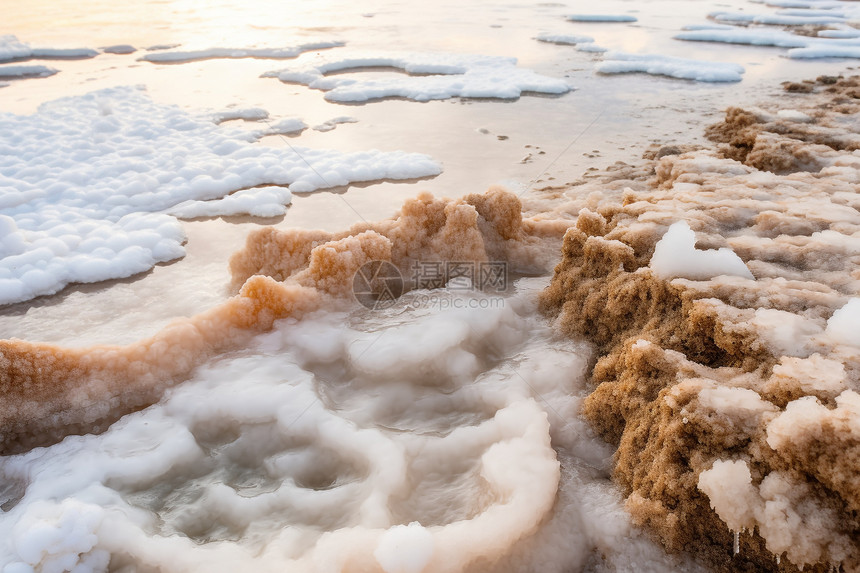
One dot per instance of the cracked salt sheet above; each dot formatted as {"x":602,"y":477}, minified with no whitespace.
{"x":681,"y":68}
{"x":86,"y":184}
{"x":184,"y":56}
{"x":430,"y":76}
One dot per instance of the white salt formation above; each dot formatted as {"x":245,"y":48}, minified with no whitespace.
{"x":567,"y":39}
{"x":328,"y":443}
{"x":26,"y":71}
{"x":699,"y":70}
{"x":734,"y":403}
{"x":601,"y":18}
{"x":184,"y":56}
{"x":430,"y":76}
{"x":11,"y":48}
{"x":112,"y":163}
{"x":676,"y":256}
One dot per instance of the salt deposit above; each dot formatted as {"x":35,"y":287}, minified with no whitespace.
{"x":11,"y":48}
{"x":621,"y":62}
{"x":676,"y":256}
{"x":732,"y":402}
{"x":601,"y":18}
{"x":184,"y":56}
{"x":689,"y":402}
{"x":328,"y":442}
{"x":429,"y":76}
{"x":334,"y":122}
{"x":567,"y":39}
{"x":801,"y":47}
{"x":113,"y":162}
{"x":26,"y":70}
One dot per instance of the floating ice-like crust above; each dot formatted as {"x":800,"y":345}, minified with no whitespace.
{"x":12,"y":49}
{"x":446,"y":76}
{"x":601,"y":18}
{"x":749,"y":36}
{"x":841,"y":45}
{"x":824,"y":51}
{"x":844,"y":325}
{"x":676,"y":256}
{"x":569,"y":39}
{"x":590,"y":47}
{"x":245,"y":113}
{"x":182,"y":56}
{"x":703,"y":71}
{"x":793,"y":19}
{"x":26,"y":70}
{"x":85,"y":183}
{"x":334,"y":122}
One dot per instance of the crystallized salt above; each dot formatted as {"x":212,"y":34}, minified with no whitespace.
{"x":183,"y":56}
{"x":570,"y":39}
{"x":844,"y":325}
{"x":12,"y":49}
{"x":442,"y":76}
{"x":85,"y":185}
{"x":704,"y":71}
{"x":601,"y":18}
{"x":676,"y":256}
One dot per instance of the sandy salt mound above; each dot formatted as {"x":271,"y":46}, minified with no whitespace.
{"x":50,"y":391}
{"x":781,"y":140}
{"x":730,"y":370}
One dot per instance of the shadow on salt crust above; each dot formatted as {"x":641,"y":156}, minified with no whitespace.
{"x":733,"y":405}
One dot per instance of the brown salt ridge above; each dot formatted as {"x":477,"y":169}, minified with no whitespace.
{"x":693,"y":376}
{"x":49,"y":392}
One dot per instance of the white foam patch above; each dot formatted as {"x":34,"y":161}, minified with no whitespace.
{"x":265,"y":201}
{"x":286,"y":126}
{"x":85,"y":181}
{"x":568,"y":39}
{"x":601,"y":18}
{"x":591,"y":47}
{"x":844,"y":325}
{"x":800,"y":47}
{"x":779,"y":19}
{"x":443,"y":76}
{"x":405,"y":549}
{"x":794,"y":115}
{"x":291,"y":455}
{"x":243,"y":113}
{"x":334,"y":122}
{"x":749,"y":36}
{"x":183,"y":56}
{"x":11,"y":48}
{"x":698,"y":70}
{"x":26,"y":70}
{"x":676,"y":256}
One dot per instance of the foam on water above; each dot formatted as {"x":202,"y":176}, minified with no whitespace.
{"x":113,"y":163}
{"x":430,"y":76}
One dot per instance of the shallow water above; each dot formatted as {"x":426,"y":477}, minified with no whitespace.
{"x":309,"y":446}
